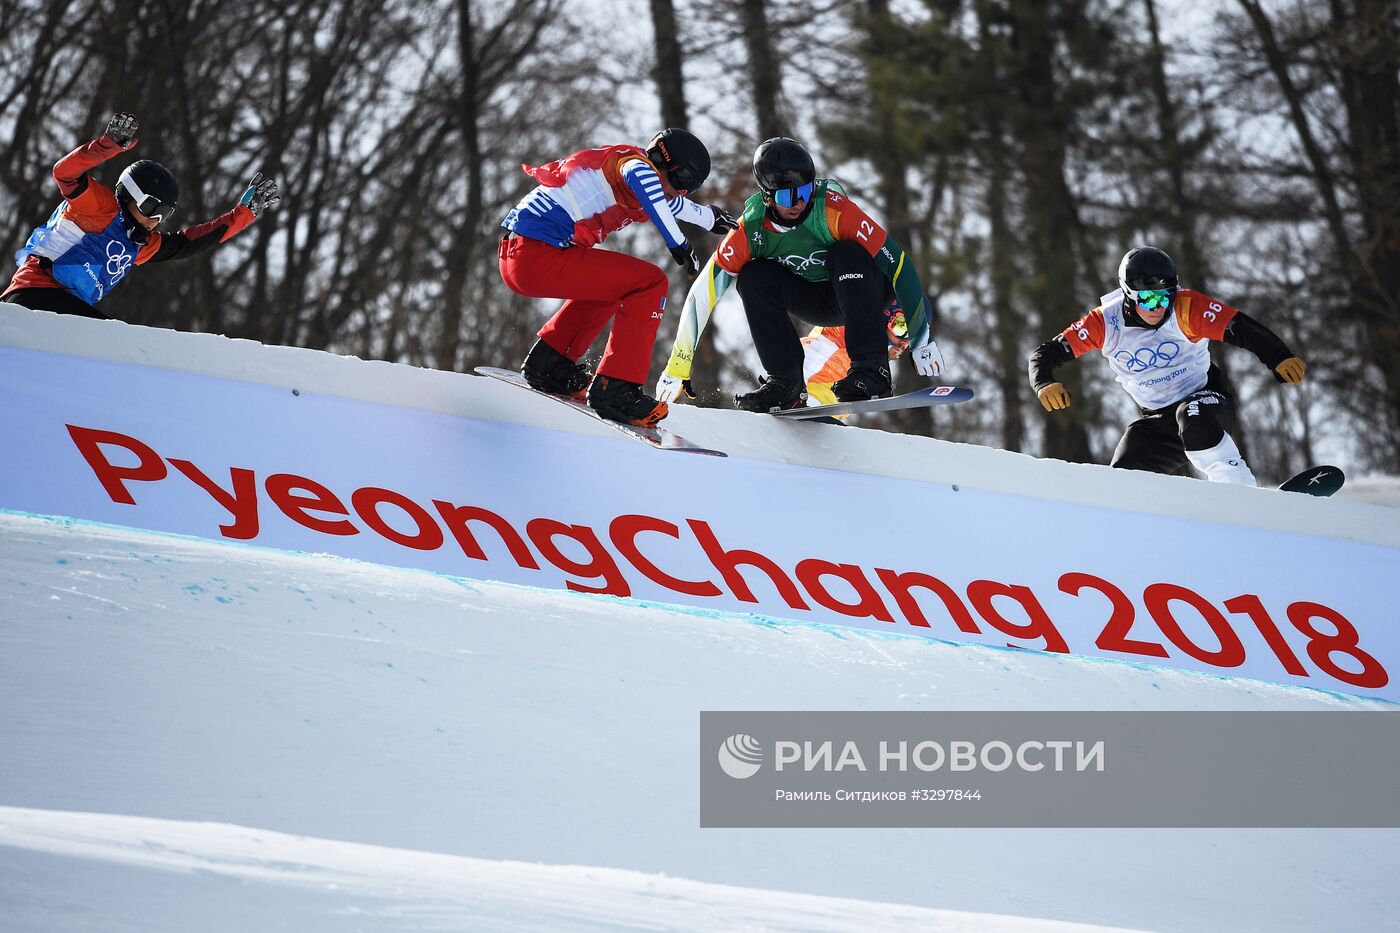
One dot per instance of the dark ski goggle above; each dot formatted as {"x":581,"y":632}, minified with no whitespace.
{"x":148,"y":204}
{"x":1153,"y":298}
{"x":791,"y":197}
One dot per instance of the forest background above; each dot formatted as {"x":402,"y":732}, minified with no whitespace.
{"x":1016,"y":148}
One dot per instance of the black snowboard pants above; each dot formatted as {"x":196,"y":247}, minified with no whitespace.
{"x":57,"y":300}
{"x":855,"y":295}
{"x":1158,"y":441}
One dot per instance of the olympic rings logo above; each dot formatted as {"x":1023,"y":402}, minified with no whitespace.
{"x":1144,"y":358}
{"x":119,"y":261}
{"x":800,"y":263}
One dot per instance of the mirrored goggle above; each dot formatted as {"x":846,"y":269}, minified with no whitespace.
{"x":148,"y":204}
{"x":791,"y":197}
{"x":1153,"y":298}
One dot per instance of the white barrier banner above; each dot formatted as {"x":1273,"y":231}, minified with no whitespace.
{"x":222,"y":459}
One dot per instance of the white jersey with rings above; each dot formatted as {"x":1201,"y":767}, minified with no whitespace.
{"x":1157,"y":366}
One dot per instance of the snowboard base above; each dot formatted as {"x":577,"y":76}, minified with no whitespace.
{"x":920,"y":398}
{"x":1317,"y":481}
{"x":660,"y":438}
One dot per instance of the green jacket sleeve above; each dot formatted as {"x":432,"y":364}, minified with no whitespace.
{"x":908,"y":290}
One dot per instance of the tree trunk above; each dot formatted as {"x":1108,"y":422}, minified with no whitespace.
{"x":1370,"y":64}
{"x":1009,"y":324}
{"x":464,"y":238}
{"x":670,"y":85}
{"x":1052,"y":222}
{"x":763,"y":69}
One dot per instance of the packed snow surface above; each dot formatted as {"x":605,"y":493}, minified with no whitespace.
{"x":206,"y":736}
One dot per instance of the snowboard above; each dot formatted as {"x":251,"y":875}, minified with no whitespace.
{"x":1317,"y":481}
{"x":660,"y":438}
{"x":920,"y":398}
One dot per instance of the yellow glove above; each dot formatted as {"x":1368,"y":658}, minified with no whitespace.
{"x":1054,"y":397}
{"x":1291,"y":370}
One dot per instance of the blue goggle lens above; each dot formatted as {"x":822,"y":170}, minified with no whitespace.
{"x":1153,"y":298}
{"x":791,"y":197}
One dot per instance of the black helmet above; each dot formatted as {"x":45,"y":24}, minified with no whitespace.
{"x":151,"y":187}
{"x":682,"y":156}
{"x":781,"y":163}
{"x":1146,"y":267}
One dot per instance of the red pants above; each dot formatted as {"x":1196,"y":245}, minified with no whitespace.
{"x":599,"y":286}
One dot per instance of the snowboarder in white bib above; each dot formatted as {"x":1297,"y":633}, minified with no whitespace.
{"x":1155,"y":336}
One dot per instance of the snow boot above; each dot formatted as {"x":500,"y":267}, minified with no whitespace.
{"x":1223,"y":463}
{"x":548,"y":370}
{"x":775,"y":393}
{"x":866,"y":380}
{"x":620,"y":400}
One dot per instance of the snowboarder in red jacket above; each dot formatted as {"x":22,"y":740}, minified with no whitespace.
{"x":547,"y":253}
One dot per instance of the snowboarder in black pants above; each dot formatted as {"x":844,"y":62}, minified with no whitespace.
{"x":803,"y":249}
{"x":1155,"y":337}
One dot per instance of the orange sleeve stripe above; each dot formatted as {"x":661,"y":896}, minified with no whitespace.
{"x":846,"y":221}
{"x":732,"y":254}
{"x":148,"y":248}
{"x":1201,"y":317}
{"x":94,"y":209}
{"x":1085,"y":334}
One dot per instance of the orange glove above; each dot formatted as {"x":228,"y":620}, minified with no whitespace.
{"x":1291,"y":370}
{"x":1054,"y":397}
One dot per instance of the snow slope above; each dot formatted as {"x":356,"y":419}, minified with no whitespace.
{"x":208,"y":736}
{"x":374,"y":886}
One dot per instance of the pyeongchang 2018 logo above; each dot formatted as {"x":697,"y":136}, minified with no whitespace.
{"x":1144,"y":358}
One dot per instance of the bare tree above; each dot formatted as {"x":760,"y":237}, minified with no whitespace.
{"x":763,"y":69}
{"x":670,"y":84}
{"x":1041,"y":128}
{"x":1357,"y":178}
{"x":1008,"y":322}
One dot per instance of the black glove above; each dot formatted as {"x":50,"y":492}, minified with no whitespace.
{"x":121,"y":129}
{"x":723,"y":220}
{"x":685,"y":257}
{"x":261,"y":193}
